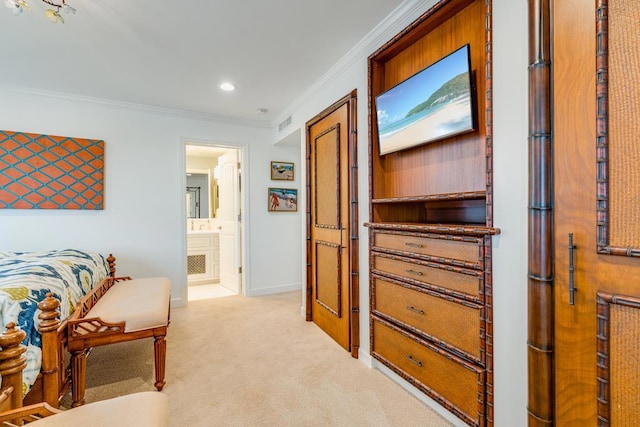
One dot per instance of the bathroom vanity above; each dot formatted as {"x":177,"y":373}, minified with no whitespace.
{"x":203,"y":257}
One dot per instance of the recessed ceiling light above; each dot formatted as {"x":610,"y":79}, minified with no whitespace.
{"x":227,"y":87}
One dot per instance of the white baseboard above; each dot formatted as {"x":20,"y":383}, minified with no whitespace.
{"x":177,"y":302}
{"x":274,"y":290}
{"x":365,"y":358}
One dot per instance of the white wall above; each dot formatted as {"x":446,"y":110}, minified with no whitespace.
{"x":278,"y":257}
{"x":143,"y":223}
{"x":510,"y":201}
{"x":510,"y":186}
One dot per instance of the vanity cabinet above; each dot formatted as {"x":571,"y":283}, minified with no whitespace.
{"x":203,"y":258}
{"x":431,"y":225}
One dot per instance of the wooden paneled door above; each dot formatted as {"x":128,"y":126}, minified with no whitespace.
{"x":332,"y":285}
{"x":596,"y":154}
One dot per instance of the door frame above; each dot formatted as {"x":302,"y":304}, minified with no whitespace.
{"x":244,"y":237}
{"x":354,"y":282}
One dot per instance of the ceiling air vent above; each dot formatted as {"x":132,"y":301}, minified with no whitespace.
{"x":286,"y":122}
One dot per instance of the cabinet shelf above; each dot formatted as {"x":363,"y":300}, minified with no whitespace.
{"x":456,"y":229}
{"x":450,"y":208}
{"x":473,"y":195}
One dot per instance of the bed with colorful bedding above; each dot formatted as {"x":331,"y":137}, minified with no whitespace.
{"x":26,"y":278}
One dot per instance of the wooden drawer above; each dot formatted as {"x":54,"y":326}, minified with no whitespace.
{"x":459,"y":250}
{"x":454,"y":324}
{"x":456,"y":384}
{"x":465,"y":283}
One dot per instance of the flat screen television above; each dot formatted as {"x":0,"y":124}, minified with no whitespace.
{"x":431,"y":105}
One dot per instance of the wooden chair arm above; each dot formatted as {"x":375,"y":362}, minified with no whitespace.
{"x":27,"y":414}
{"x":121,"y":279}
{"x":5,"y":399}
{"x":82,"y":329}
{"x":88,"y":301}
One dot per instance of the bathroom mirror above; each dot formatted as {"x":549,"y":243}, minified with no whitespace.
{"x":201,"y":195}
{"x":193,"y":202}
{"x":201,"y":168}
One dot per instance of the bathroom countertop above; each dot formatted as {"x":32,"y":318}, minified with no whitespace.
{"x":203,"y":231}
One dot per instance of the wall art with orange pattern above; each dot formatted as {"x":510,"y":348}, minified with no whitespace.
{"x":50,"y":172}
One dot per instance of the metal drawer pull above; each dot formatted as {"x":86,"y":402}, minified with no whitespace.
{"x":415,"y":245}
{"x":572,"y":287}
{"x":417,"y":273}
{"x":414,"y":361}
{"x":415,"y":310}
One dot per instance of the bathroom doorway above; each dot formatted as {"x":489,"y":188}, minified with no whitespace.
{"x":213,"y":206}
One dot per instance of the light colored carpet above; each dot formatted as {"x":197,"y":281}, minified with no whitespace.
{"x":238,"y":361}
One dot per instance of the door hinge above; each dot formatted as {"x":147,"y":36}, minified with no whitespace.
{"x":239,"y":270}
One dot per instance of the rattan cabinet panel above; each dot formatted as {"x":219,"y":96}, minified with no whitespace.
{"x":454,"y":249}
{"x":455,"y":383}
{"x":429,"y":312}
{"x":465,"y":283}
{"x":453,"y":324}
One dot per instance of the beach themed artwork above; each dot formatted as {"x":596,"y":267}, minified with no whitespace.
{"x":433,"y":104}
{"x":282,"y":171}
{"x":283,"y":199}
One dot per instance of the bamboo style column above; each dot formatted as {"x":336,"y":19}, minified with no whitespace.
{"x":540,"y":278}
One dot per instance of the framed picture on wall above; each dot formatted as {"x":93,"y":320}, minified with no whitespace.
{"x":283,"y":199}
{"x":281,"y":171}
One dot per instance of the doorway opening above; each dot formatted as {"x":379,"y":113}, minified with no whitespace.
{"x":213,"y":206}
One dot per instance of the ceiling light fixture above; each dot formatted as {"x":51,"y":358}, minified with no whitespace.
{"x":52,"y":13}
{"x":227,"y":87}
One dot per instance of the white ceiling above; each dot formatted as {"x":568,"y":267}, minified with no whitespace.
{"x":174,"y":54}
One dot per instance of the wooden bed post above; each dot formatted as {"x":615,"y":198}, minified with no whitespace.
{"x":48,"y":328}
{"x":12,"y":362}
{"x":111,"y":260}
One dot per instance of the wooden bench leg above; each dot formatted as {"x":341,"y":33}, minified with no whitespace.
{"x":160,"y":354}
{"x":78,"y":377}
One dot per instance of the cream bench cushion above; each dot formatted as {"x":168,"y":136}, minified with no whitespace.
{"x":144,"y":409}
{"x":141,"y":303}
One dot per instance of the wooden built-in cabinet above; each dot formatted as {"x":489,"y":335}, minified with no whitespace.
{"x":431,"y":226}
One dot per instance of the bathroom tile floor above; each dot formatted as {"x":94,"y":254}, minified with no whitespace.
{"x":198,"y":292}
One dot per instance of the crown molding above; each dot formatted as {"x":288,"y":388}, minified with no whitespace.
{"x":173,"y":112}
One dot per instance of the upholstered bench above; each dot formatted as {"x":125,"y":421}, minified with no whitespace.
{"x":144,"y":409}
{"x":121,"y":310}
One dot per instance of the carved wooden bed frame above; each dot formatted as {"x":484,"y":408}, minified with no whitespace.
{"x":54,"y":379}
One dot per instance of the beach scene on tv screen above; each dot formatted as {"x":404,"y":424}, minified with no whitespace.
{"x":431,"y":105}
